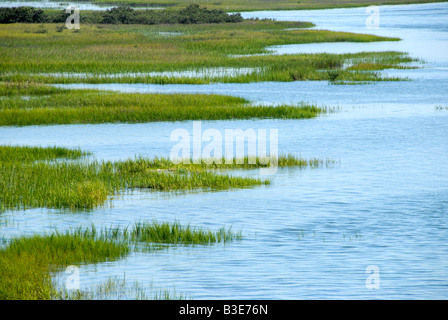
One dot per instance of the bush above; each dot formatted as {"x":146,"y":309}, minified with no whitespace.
{"x":193,"y":14}
{"x":23,"y":15}
{"x":60,"y":28}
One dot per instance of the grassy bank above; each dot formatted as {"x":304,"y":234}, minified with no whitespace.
{"x":26,"y":154}
{"x":26,"y":263}
{"x":88,"y":184}
{"x":35,"y":104}
{"x":97,"y":53}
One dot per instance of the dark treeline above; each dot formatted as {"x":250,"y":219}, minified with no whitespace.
{"x":192,"y":14}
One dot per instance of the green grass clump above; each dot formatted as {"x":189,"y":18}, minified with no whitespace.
{"x":25,"y":183}
{"x":25,"y":88}
{"x":86,"y":185}
{"x":91,"y":106}
{"x":174,"y":233}
{"x":31,"y":154}
{"x":89,"y":185}
{"x":119,"y":289}
{"x":141,"y":165}
{"x":26,"y":264}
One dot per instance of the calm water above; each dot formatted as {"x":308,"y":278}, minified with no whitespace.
{"x":313,"y":232}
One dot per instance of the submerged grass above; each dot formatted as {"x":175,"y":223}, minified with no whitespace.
{"x":86,"y":185}
{"x":120,"y":289}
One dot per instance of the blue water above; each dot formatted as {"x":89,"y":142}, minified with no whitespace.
{"x":312,"y":233}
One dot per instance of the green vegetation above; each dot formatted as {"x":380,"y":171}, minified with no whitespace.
{"x":61,"y":106}
{"x":31,"y":154}
{"x":192,"y":14}
{"x":283,"y":161}
{"x":9,"y":89}
{"x":26,"y":263}
{"x":88,"y":184}
{"x":97,"y":53}
{"x":174,"y":233}
{"x":123,"y":45}
{"x":120,"y":289}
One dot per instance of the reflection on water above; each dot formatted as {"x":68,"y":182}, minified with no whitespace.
{"x":312,"y":233}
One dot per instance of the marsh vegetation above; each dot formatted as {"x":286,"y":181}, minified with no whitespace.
{"x":37,"y":104}
{"x":27,"y":263}
{"x":100,"y":50}
{"x":123,"y":45}
{"x":28,"y":182}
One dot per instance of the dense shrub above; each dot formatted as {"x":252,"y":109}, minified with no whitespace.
{"x":192,"y":14}
{"x":22,"y":14}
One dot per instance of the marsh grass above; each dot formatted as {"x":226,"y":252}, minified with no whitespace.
{"x":109,"y":49}
{"x":140,"y":164}
{"x":155,"y":232}
{"x":32,"y":154}
{"x":175,"y":233}
{"x":27,"y":263}
{"x":64,"y":106}
{"x":120,"y":289}
{"x":85,"y":185}
{"x":26,"y":88}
